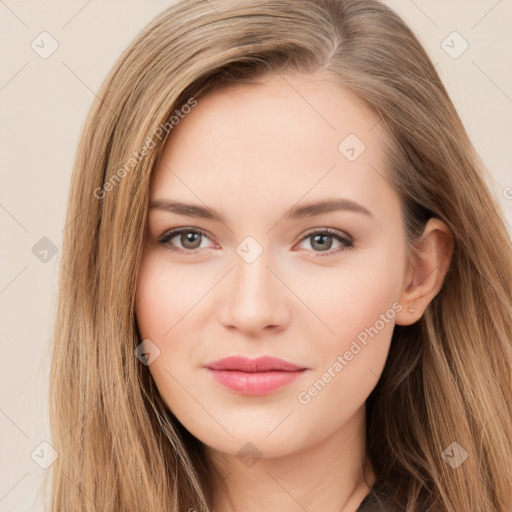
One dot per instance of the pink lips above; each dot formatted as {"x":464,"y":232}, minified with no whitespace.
{"x":254,"y":376}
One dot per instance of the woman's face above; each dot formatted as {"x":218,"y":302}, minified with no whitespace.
{"x":267,"y":279}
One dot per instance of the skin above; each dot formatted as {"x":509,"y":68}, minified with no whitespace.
{"x":252,"y":152}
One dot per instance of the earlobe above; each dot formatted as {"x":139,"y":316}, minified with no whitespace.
{"x":425,"y":275}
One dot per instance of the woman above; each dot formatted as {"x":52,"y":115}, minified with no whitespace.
{"x":284,"y":281}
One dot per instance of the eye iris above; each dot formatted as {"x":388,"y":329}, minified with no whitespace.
{"x":190,"y":237}
{"x":323,"y":245}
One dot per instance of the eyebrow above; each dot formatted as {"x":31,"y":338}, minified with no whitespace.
{"x":297,"y":212}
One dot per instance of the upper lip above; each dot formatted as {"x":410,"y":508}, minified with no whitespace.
{"x":260,"y":364}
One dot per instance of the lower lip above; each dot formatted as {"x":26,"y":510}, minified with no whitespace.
{"x":255,"y":384}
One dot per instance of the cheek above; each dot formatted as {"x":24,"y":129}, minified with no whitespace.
{"x":347,"y":301}
{"x":164,"y":296}
{"x":151,"y":303}
{"x":348,"y":363}
{"x":166,"y":300}
{"x":357,"y":306}
{"x":158,"y":308}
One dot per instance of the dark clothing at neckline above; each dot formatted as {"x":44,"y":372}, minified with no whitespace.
{"x":379,"y":499}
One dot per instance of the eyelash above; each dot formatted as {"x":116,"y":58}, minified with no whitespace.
{"x":347,"y":242}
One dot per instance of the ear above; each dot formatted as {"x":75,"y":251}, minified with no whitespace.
{"x":424,"y":276}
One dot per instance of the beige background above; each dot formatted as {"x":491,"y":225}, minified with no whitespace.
{"x":43,"y":103}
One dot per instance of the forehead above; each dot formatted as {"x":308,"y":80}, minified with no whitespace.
{"x":287,"y":137}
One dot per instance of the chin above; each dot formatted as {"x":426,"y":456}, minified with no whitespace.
{"x":257,"y":440}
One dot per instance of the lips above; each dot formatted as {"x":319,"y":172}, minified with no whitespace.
{"x":261,"y":364}
{"x":254,"y":376}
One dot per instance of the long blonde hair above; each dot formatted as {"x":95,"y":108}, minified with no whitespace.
{"x":448,"y":376}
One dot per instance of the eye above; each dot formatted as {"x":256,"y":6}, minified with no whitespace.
{"x":322,"y":240}
{"x":189,"y":238}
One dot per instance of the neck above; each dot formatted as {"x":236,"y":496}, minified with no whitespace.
{"x":333,"y":475}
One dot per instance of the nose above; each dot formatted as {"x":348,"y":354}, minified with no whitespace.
{"x":254,"y":298}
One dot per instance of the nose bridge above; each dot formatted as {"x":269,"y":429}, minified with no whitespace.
{"x":252,"y":278}
{"x":255,"y":298}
